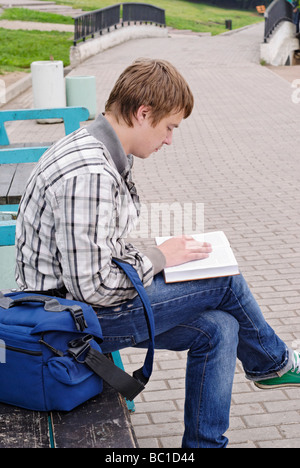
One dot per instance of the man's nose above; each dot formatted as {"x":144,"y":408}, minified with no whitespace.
{"x":168,"y":140}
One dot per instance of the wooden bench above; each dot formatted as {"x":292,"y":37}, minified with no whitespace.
{"x":18,"y":159}
{"x":102,"y":422}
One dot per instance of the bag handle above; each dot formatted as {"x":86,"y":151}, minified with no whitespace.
{"x":50,"y":305}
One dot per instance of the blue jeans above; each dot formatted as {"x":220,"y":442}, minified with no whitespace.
{"x":217,"y":321}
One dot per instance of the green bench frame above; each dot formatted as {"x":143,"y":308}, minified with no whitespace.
{"x":72,"y":116}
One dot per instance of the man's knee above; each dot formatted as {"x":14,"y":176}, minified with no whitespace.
{"x":217,"y":328}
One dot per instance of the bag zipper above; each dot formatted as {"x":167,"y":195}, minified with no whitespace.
{"x":23,"y":351}
{"x":54,"y":350}
{"x":33,"y":353}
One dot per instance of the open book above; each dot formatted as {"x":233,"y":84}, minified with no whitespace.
{"x":221,"y":261}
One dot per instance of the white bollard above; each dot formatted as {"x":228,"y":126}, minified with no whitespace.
{"x":81,"y":91}
{"x":48,"y":86}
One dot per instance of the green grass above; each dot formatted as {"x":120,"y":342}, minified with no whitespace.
{"x":19,"y":48}
{"x":182,"y":14}
{"x":24,"y":14}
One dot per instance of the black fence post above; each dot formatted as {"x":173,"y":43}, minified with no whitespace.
{"x":228,"y":24}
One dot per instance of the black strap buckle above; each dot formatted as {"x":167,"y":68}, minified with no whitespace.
{"x":77,"y":314}
{"x":79,"y":347}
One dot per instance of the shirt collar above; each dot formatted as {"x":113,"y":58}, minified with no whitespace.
{"x":104,"y":132}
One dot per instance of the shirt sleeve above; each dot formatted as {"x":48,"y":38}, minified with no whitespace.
{"x":90,"y":231}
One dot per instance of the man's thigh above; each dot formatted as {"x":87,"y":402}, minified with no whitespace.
{"x":172,"y":304}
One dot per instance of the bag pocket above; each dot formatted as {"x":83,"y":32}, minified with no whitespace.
{"x":67,"y":371}
{"x":69,"y":383}
{"x":21,"y":376}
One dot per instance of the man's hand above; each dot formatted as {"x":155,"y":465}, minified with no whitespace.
{"x":182,"y":249}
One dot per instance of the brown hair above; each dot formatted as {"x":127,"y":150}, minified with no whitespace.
{"x":153,"y":83}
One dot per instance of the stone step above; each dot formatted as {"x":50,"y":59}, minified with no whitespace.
{"x":45,"y":6}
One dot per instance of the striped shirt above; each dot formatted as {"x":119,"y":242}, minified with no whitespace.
{"x":78,"y":208}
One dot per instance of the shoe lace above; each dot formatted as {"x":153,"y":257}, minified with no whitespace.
{"x":296,"y":363}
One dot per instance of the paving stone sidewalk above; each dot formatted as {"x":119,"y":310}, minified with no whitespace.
{"x":46,"y":6}
{"x":31,"y":25}
{"x":238,"y":154}
{"x":43,"y":6}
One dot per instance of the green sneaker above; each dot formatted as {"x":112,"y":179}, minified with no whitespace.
{"x":289,"y":379}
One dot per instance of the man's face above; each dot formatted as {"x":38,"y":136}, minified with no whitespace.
{"x":150,"y":139}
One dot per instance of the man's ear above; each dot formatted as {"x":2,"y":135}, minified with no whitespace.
{"x":143,"y":113}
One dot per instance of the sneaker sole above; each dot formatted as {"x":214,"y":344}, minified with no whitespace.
{"x":266,"y":387}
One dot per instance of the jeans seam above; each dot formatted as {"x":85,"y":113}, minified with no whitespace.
{"x":200,"y":398}
{"x":188,"y":295}
{"x":203,"y":375}
{"x":253,"y":325}
{"x":98,"y":310}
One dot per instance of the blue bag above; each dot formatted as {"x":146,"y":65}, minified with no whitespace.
{"x":53,"y":358}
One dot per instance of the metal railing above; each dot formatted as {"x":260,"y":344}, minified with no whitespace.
{"x":102,"y":20}
{"x":96,"y":21}
{"x":278,"y":11}
{"x":143,"y":13}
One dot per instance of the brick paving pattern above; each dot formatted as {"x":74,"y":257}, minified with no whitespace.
{"x":239,"y":155}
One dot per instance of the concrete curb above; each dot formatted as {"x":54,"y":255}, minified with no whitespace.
{"x":234,"y":31}
{"x":17,"y":88}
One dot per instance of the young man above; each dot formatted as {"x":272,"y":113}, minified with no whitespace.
{"x":80,"y":205}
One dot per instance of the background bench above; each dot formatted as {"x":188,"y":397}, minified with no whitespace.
{"x":18,"y":159}
{"x":72,"y":116}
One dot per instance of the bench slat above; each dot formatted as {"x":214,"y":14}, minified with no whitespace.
{"x":20,"y":428}
{"x":102,"y":422}
{"x":72,"y":116}
{"x":24,"y":155}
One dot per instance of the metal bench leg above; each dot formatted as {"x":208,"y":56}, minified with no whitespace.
{"x":118,"y":362}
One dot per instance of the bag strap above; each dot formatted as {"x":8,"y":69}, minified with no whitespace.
{"x":128,"y":386}
{"x":145,"y":372}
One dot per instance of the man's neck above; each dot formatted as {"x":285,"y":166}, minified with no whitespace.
{"x":105,"y":133}
{"x":122,"y":130}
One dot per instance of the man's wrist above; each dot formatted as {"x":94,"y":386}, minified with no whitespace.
{"x":157,"y":259}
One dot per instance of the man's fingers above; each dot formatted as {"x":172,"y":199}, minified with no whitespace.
{"x":199,"y":246}
{"x":197,"y":255}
